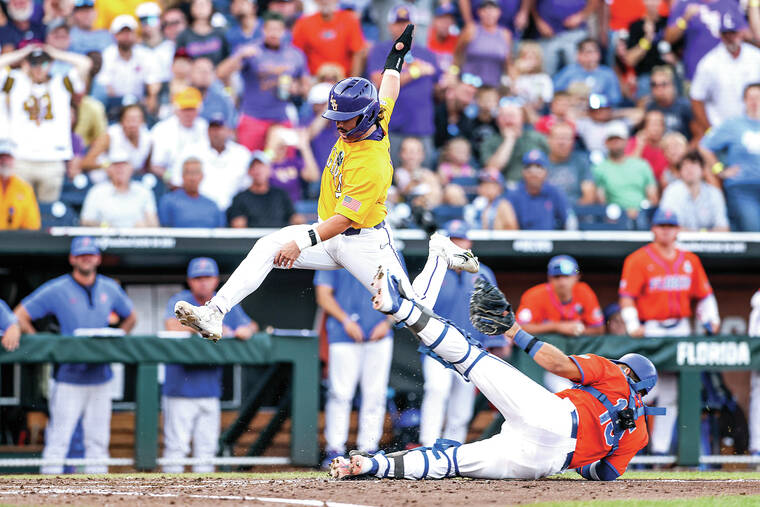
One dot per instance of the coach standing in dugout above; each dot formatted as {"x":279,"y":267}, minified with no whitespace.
{"x":658,"y":283}
{"x":360,"y":349}
{"x":191,"y":393}
{"x":562,"y":305}
{"x":82,"y":299}
{"x":449,"y":400}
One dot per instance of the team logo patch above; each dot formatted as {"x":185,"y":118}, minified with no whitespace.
{"x":687,"y":267}
{"x":334,"y":103}
{"x":351,"y":204}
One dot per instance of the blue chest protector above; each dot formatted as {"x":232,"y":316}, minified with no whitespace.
{"x":622,"y":417}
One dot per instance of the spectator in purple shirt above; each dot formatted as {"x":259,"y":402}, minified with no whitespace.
{"x":293,"y":165}
{"x":698,"y":23}
{"x":273,"y":72}
{"x":414,"y":112}
{"x":24,"y":24}
{"x":514,"y":13}
{"x":248,"y":26}
{"x":321,"y":131}
{"x":562,"y":25}
{"x":484,"y":48}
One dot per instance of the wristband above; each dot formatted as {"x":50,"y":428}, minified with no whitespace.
{"x":718,"y":167}
{"x":308,"y":238}
{"x":681,"y":23}
{"x":645,"y":44}
{"x":630,"y":317}
{"x":528,"y":342}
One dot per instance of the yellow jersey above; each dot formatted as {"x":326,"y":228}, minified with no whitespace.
{"x":357,"y":176}
{"x":18,"y":205}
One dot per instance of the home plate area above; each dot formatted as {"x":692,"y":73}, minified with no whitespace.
{"x":218,"y":490}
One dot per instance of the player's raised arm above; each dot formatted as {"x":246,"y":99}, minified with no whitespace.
{"x":391,"y":82}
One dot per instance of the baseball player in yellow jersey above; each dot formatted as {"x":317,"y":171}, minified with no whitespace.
{"x":351,"y":232}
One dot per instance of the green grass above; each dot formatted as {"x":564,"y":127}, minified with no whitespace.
{"x":707,"y":501}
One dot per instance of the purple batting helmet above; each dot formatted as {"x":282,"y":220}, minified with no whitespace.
{"x":352,"y":97}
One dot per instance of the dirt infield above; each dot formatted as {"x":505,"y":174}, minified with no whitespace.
{"x":219,"y":491}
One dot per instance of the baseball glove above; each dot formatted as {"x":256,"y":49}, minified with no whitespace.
{"x":490,"y":312}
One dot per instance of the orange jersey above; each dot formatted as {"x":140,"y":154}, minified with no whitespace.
{"x":541,"y":304}
{"x":329,"y":41}
{"x":663,"y":289}
{"x":594,"y":426}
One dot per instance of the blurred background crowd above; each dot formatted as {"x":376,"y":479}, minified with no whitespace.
{"x":513,"y":114}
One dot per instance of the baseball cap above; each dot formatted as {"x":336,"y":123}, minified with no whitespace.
{"x":598,"y":101}
{"x":189,"y":98}
{"x":486,"y":3}
{"x":148,"y":10}
{"x":664,"y":217}
{"x":457,"y":229}
{"x":616,"y":129}
{"x":562,"y":265}
{"x":261,"y":157}
{"x":728,"y":23}
{"x":535,"y":157}
{"x":123,"y":21}
{"x":446,"y":10}
{"x":216,"y":119}
{"x":7,"y":146}
{"x":401,"y":13}
{"x":38,"y":57}
{"x":84,"y":245}
{"x":56,"y":24}
{"x":84,"y":3}
{"x":610,"y":310}
{"x":491,"y":177}
{"x":319,"y":93}
{"x":202,"y":266}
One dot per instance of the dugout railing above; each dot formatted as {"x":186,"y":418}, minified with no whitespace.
{"x":298,"y":351}
{"x":687,"y":356}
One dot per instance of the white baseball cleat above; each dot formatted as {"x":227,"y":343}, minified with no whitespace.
{"x":341,"y":468}
{"x":456,"y":257}
{"x":207,"y":319}
{"x":387,"y":298}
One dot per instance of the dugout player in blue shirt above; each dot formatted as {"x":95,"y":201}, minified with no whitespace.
{"x":81,"y":299}
{"x":9,"y":329}
{"x":448,"y":400}
{"x":191,"y":393}
{"x":360,"y":352}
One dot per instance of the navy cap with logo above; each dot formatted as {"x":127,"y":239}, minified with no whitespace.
{"x":562,"y":265}
{"x":202,"y":266}
{"x":535,"y":157}
{"x":664,"y":217}
{"x":447,"y":9}
{"x":84,"y":245}
{"x":457,"y":229}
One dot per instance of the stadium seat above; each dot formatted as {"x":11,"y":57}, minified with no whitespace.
{"x":445,"y":213}
{"x":75,"y":190}
{"x":307,"y":208}
{"x":600,"y":217}
{"x":644,"y":220}
{"x":57,"y":214}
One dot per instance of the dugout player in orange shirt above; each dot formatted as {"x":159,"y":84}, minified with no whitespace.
{"x":352,"y":232}
{"x":657,"y":287}
{"x":562,"y":305}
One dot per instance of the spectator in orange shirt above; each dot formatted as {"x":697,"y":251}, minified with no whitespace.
{"x":441,"y":41}
{"x":18,"y":206}
{"x":563,"y":305}
{"x":331,"y":36}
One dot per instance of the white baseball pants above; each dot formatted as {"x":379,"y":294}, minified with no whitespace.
{"x":69,"y":402}
{"x":535,"y":438}
{"x":666,"y":390}
{"x":186,"y":420}
{"x":360,"y":254}
{"x":447,"y":404}
{"x":365,"y":364}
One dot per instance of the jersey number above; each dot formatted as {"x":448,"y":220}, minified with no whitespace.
{"x":39,"y":109}
{"x":606,"y":422}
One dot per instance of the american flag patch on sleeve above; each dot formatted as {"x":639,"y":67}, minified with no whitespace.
{"x":351,"y":204}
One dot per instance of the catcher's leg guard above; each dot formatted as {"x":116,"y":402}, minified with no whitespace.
{"x":435,"y":462}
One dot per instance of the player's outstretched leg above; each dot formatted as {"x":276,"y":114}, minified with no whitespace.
{"x":443,"y":254}
{"x":207,"y":319}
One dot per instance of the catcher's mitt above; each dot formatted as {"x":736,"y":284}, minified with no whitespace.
{"x":490,"y":312}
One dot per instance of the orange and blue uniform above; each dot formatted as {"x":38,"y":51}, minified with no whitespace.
{"x":540,"y":304}
{"x":595,"y":437}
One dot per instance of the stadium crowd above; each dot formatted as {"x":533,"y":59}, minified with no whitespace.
{"x":513,"y":114}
